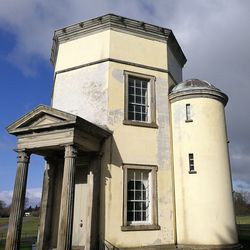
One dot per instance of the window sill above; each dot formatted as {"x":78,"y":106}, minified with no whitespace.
{"x":140,"y":124}
{"x":189,"y":120}
{"x":192,"y":172}
{"x":140,"y":227}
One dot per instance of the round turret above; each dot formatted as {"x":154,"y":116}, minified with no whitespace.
{"x":203,"y":187}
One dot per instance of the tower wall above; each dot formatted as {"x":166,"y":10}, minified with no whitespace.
{"x":90,"y":82}
{"x":204,"y":205}
{"x":85,"y":76}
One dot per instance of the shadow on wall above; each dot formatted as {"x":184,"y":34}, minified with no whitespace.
{"x":231,"y":234}
{"x":112,"y":157}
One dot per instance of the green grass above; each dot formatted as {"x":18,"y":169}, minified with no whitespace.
{"x":243,"y":220}
{"x":4,"y":221}
{"x":29,"y":231}
{"x":30,"y":225}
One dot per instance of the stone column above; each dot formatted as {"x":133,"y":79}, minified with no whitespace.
{"x":46,"y":205}
{"x":64,"y":239}
{"x":18,"y":201}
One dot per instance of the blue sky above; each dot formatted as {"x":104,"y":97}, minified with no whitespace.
{"x":214,"y":36}
{"x":19,"y":94}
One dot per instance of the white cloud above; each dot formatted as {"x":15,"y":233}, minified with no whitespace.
{"x":32,"y":23}
{"x":33,"y":194}
{"x":214,"y":35}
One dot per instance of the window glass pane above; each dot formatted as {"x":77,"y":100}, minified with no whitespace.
{"x":130,"y":195}
{"x":131,"y":98}
{"x":130,"y":206}
{"x":143,"y":109}
{"x":130,"y":185}
{"x":144,"y":84}
{"x":138,"y":99}
{"x":130,"y":115}
{"x":131,"y":108}
{"x":138,"y":185}
{"x":130,"y":216}
{"x":138,"y":195}
{"x":130,"y":174}
{"x":137,"y":116}
{"x":131,"y":90}
{"x":138,"y":91}
{"x":138,"y":205}
{"x":137,"y":108}
{"x":138,"y":83}
{"x":138,"y":216}
{"x":143,"y":101}
{"x":131,"y":80}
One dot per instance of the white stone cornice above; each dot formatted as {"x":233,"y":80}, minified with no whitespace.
{"x":121,"y":24}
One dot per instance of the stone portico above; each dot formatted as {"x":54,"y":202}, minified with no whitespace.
{"x":70,"y":146}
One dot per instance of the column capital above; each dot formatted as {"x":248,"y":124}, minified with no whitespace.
{"x":22,"y":156}
{"x":70,"y":151}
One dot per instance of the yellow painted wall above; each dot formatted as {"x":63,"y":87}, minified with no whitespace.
{"x":83,"y":50}
{"x":137,"y":145}
{"x":137,"y":49}
{"x":111,"y":44}
{"x":129,"y":144}
{"x":204,"y":206}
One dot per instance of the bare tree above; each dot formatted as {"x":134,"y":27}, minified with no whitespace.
{"x":242,"y":203}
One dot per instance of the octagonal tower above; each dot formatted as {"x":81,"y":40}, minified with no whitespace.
{"x":116,"y":72}
{"x":90,"y":59}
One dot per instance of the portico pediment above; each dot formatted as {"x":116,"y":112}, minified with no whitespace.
{"x":40,"y":118}
{"x":45,"y":127}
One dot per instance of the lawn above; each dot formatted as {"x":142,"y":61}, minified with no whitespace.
{"x":29,"y":231}
{"x":243,"y":220}
{"x":30,"y":225}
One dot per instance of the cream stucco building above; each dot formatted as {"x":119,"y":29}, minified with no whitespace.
{"x":136,"y":158}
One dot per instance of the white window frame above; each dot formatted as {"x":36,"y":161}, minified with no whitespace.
{"x":152,"y":222}
{"x":151,"y":121}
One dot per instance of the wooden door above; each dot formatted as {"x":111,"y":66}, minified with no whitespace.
{"x":80,"y":207}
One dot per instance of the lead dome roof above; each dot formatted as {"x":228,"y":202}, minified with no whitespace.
{"x":193,"y":84}
{"x":197,"y":88}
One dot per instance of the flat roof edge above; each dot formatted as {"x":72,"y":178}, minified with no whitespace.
{"x":112,"y":21}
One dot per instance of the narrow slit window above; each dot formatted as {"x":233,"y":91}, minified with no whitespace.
{"x":188,"y":113}
{"x":191,"y":162}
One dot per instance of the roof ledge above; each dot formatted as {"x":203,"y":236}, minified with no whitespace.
{"x":115,"y":22}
